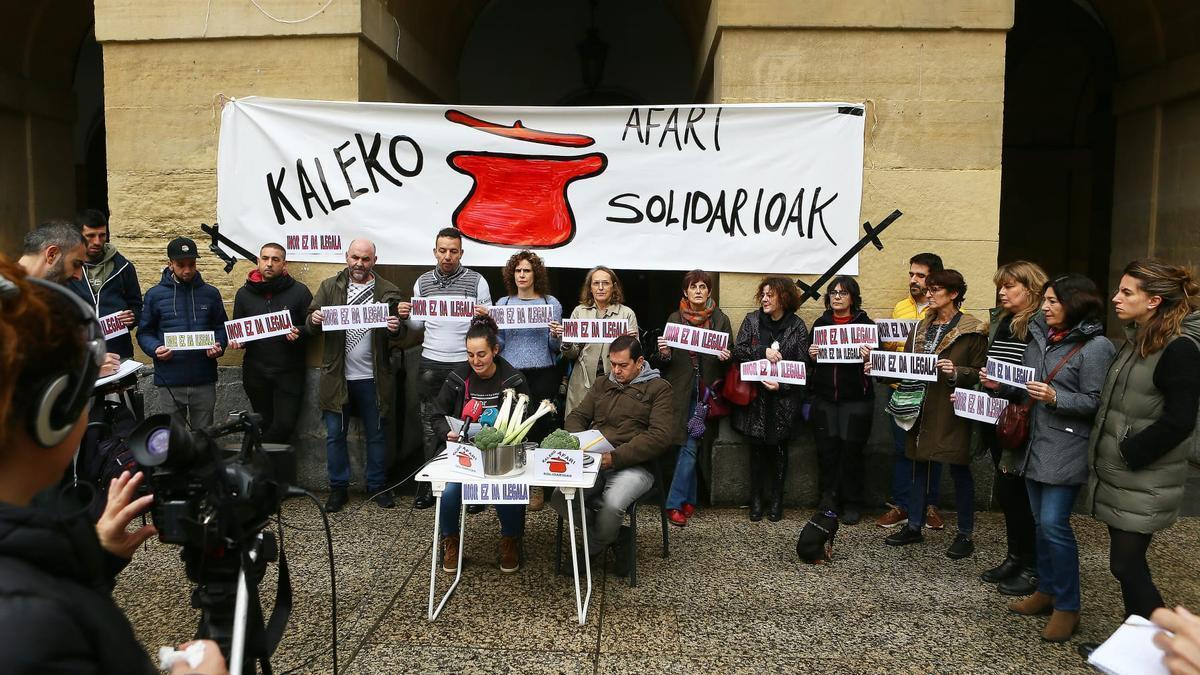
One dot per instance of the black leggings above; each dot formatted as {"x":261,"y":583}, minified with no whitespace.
{"x":1011,"y":495}
{"x":1127,"y":562}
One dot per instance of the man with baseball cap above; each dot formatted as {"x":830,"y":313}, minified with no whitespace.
{"x":175,"y":311}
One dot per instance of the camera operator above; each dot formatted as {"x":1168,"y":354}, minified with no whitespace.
{"x":56,"y":569}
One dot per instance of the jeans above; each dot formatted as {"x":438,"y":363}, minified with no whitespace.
{"x":683,"y":483}
{"x":902,"y":474}
{"x":606,"y":502}
{"x":361,"y":403}
{"x":964,"y":495}
{"x":1057,"y":551}
{"x":194,"y":404}
{"x":432,"y":376}
{"x":277,"y":398}
{"x":512,"y":516}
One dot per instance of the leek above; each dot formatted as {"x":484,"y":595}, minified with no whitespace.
{"x":502,"y":419}
{"x":517,"y":434}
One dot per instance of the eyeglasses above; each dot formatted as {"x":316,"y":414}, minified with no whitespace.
{"x":930,"y":290}
{"x":839,"y":294}
{"x":602,"y":284}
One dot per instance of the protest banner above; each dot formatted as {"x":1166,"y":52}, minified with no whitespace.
{"x":767,"y":187}
{"x":354,"y":317}
{"x":495,"y":492}
{"x":843,"y":344}
{"x":1008,"y":373}
{"x":787,"y":372}
{"x":176,"y":342}
{"x":904,"y":365}
{"x":259,"y":326}
{"x":695,"y":339}
{"x":443,"y":308}
{"x":598,"y":331}
{"x":978,"y":406}
{"x":111,"y":326}
{"x":895,"y":331}
{"x":523,"y":316}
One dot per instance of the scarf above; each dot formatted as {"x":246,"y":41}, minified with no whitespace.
{"x":365,"y":295}
{"x":1056,"y":335}
{"x":701,"y":319}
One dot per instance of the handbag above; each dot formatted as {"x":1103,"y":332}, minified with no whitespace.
{"x":696,"y":423}
{"x":735,"y":390}
{"x":1012,"y":427}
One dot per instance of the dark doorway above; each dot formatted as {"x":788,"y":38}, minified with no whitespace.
{"x":1056,"y":186}
{"x":91,"y":156}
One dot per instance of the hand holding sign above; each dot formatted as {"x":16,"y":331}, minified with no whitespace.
{"x":162,"y":353}
{"x":404,"y":310}
{"x":317,"y":317}
{"x":1040,"y":391}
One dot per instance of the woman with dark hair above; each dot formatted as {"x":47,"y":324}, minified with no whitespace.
{"x":775,"y":333}
{"x":483,"y":378}
{"x":689,"y":373}
{"x":533,"y":351}
{"x":600,"y":298}
{"x":1018,"y":301}
{"x":935,"y":433}
{"x":843,"y":403}
{"x":1147,"y":413}
{"x":1070,"y":357}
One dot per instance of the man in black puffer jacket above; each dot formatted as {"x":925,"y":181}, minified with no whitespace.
{"x":109,"y":282}
{"x":273,"y":370}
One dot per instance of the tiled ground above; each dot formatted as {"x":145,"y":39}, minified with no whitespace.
{"x":730,"y":599}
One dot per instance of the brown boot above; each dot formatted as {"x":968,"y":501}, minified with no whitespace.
{"x":450,"y":553}
{"x":537,"y":499}
{"x":1061,"y":626}
{"x":510,"y":554}
{"x":1038,"y":603}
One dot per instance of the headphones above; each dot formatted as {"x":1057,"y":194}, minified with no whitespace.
{"x":59,"y":399}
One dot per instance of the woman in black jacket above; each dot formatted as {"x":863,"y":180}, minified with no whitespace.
{"x":843,"y":403}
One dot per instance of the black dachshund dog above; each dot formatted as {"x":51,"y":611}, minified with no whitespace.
{"x":815,"y":545}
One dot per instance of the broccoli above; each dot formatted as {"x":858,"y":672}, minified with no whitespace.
{"x":560,"y":440}
{"x":488,"y":438}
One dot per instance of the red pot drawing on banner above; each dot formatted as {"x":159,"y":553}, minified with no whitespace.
{"x":558,"y":465}
{"x":520,"y":200}
{"x":464,"y":458}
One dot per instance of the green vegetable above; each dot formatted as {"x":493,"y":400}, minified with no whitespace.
{"x":488,"y":438}
{"x":505,"y":409}
{"x":517,"y":434}
{"x":560,"y":439}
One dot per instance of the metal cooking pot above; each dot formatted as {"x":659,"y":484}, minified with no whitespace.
{"x":505,"y":459}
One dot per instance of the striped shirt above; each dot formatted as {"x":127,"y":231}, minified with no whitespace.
{"x":445,"y":341}
{"x":1005,"y":346}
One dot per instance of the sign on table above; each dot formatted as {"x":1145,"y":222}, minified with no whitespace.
{"x":111,"y":326}
{"x":465,"y":459}
{"x":260,"y":326}
{"x":978,"y":406}
{"x":904,"y":365}
{"x":843,"y":344}
{"x":787,"y":372}
{"x":555,"y":464}
{"x":523,"y":316}
{"x":354,"y":317}
{"x":599,"y":331}
{"x":695,"y":339}
{"x":500,"y":492}
{"x":445,"y":309}
{"x":185,"y":341}
{"x":895,"y":331}
{"x":1008,"y":373}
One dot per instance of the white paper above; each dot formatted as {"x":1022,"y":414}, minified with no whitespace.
{"x":495,"y":492}
{"x":600,"y":331}
{"x":354,"y":317}
{"x":125,"y":368}
{"x":443,"y":308}
{"x":111,"y":326}
{"x":1130,"y":650}
{"x":251,"y":328}
{"x":523,"y":316}
{"x":978,"y":406}
{"x":893,"y":331}
{"x":854,"y":335}
{"x":181,"y":342}
{"x":593,"y":441}
{"x":1009,"y":374}
{"x":465,"y":459}
{"x":787,"y":372}
{"x":456,"y":426}
{"x":695,"y":339}
{"x":904,"y":365}
{"x":555,"y":464}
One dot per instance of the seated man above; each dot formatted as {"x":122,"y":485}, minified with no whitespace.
{"x":632,"y":408}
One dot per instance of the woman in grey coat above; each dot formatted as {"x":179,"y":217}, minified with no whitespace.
{"x":1070,"y":357}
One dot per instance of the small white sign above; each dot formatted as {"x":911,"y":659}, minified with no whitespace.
{"x":354,"y":317}
{"x":177,"y":342}
{"x":1008,"y":373}
{"x":443,"y":308}
{"x":895,"y":331}
{"x":601,"y":331}
{"x":978,"y":406}
{"x":465,"y":459}
{"x":695,"y":339}
{"x":495,"y":492}
{"x":787,"y":372}
{"x":904,"y":365}
{"x":260,"y":326}
{"x":523,"y":316}
{"x":111,"y":326}
{"x":843,"y":344}
{"x":555,"y":464}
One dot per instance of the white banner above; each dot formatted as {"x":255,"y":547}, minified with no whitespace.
{"x":733,"y":188}
{"x":353,"y":317}
{"x":843,"y":344}
{"x":904,"y":365}
{"x":111,"y":326}
{"x":443,"y":308}
{"x":601,"y":331}
{"x":497,"y":492}
{"x":893,"y":331}
{"x":555,"y":464}
{"x":1009,"y":374}
{"x":978,"y":406}
{"x":695,"y":339}
{"x":523,"y":316}
{"x":788,"y":372}
{"x":260,"y":326}
{"x":178,"y":342}
{"x":465,"y":459}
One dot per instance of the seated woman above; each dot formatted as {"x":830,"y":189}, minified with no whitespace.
{"x":484,"y":378}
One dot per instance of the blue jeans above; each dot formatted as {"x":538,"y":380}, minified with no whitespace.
{"x":964,"y":494}
{"x":512,"y":516}
{"x":1057,"y":551}
{"x":361,"y":403}
{"x":902,"y":473}
{"x":683,"y":484}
